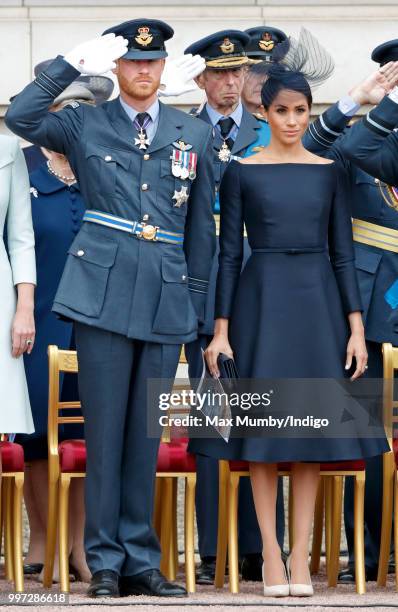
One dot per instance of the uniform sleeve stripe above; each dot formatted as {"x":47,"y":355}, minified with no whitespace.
{"x":48,"y":86}
{"x":199,"y":280}
{"x":197,"y":290}
{"x":50,"y":83}
{"x":45,"y":89}
{"x":325,"y":127}
{"x":376,"y":126}
{"x":317,"y":136}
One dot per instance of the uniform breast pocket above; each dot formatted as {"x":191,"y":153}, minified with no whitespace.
{"x":85,"y":278}
{"x":105,"y":165}
{"x":175,"y":313}
{"x":173,"y":192}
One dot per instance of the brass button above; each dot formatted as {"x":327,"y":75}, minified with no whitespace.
{"x":108,"y":157}
{"x":145,"y":217}
{"x":144,"y":187}
{"x":183,"y":277}
{"x":377,"y":181}
{"x":146,"y":156}
{"x":80,"y":253}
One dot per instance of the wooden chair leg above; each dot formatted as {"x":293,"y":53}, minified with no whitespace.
{"x":386,"y":517}
{"x":291,"y":511}
{"x":17,"y":533}
{"x":396,"y":527}
{"x":328,"y":519}
{"x":233,"y":553}
{"x":222,"y":531}
{"x":189,"y":532}
{"x":157,"y":512}
{"x":333,"y":569}
{"x":51,"y":540}
{"x":63,"y":533}
{"x":359,"y":543}
{"x":167,"y":503}
{"x":174,"y":534}
{"x":8,"y":523}
{"x":318,"y":528}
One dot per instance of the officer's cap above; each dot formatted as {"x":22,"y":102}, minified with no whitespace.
{"x":146,"y":38}
{"x":223,"y":50}
{"x":263,"y":42}
{"x":387,"y":52}
{"x":88,"y":88}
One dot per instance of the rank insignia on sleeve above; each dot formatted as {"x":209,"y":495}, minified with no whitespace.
{"x":181,"y":197}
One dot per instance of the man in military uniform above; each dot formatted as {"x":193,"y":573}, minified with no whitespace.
{"x":376,"y":260}
{"x":262,"y":50}
{"x":236,"y":133}
{"x":135,"y":280}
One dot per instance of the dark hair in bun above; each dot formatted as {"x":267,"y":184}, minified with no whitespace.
{"x":281,"y":78}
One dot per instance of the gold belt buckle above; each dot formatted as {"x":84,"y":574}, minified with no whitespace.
{"x":149,"y":232}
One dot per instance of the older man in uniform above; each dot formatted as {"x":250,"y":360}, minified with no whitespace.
{"x":236,"y":133}
{"x":375,"y":232}
{"x":135,"y":280}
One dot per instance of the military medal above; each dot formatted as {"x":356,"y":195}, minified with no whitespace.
{"x":184,"y":166}
{"x":180,"y":196}
{"x":224,"y":153}
{"x":176,"y":162}
{"x":141,"y":141}
{"x":193,"y":158}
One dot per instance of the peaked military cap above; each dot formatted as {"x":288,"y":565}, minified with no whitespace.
{"x":146,"y":38}
{"x":263,"y":42}
{"x":387,"y":52}
{"x":222,"y":50}
{"x":96,"y":89}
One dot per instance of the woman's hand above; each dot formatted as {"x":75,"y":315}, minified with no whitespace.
{"x":219,"y":344}
{"x":357,"y":348}
{"x":23,"y":332}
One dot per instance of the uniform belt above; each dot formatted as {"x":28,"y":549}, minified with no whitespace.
{"x":375,"y":235}
{"x":139,"y":229}
{"x":290,"y":250}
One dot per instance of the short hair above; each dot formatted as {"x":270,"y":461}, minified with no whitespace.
{"x":281,"y":78}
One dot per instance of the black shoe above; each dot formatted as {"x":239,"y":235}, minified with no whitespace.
{"x":151,"y":582}
{"x":104,"y":583}
{"x":347,"y":576}
{"x":29,"y":569}
{"x":251,"y":567}
{"x":206,"y":571}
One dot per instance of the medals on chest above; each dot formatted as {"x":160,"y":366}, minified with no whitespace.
{"x":141,"y":141}
{"x":224,"y":153}
{"x":183,"y":164}
{"x":180,"y":197}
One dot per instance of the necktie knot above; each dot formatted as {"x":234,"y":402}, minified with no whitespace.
{"x":225,"y":126}
{"x":141,"y":118}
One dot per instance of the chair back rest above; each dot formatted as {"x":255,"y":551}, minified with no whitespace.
{"x":390,"y":385}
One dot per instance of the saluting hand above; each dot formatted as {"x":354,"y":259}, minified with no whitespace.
{"x":373,"y":89}
{"x":178,"y":74}
{"x":98,"y":55}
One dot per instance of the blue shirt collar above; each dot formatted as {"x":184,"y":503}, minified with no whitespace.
{"x":153,"y":110}
{"x":215,"y":115}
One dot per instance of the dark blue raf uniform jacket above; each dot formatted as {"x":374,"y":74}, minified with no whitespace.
{"x":377,"y":268}
{"x":151,"y":291}
{"x":252,"y":133}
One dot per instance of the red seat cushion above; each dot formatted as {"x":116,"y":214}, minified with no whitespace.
{"x":72,"y":456}
{"x":395,"y":450}
{"x":12,"y":457}
{"x":173,"y":457}
{"x":338,"y":466}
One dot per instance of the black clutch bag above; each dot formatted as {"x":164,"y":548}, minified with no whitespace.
{"x":227,"y":367}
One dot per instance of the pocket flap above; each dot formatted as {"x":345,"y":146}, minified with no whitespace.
{"x":174,"y":270}
{"x":102,"y":253}
{"x":367,"y":260}
{"x":108,"y":155}
{"x":165,"y":167}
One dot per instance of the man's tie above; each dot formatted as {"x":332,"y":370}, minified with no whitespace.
{"x":140,"y":123}
{"x":225,"y":128}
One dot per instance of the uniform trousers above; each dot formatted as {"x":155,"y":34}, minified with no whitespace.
{"x":121,"y":458}
{"x":207,"y":488}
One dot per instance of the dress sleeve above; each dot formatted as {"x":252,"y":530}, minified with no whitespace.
{"x":20,"y":236}
{"x":341,"y":248}
{"x":231,"y":240}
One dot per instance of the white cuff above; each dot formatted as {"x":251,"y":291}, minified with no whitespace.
{"x":394,"y":95}
{"x":347,"y":106}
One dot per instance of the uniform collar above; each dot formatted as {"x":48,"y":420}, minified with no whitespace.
{"x":215,"y":116}
{"x":45,"y":182}
{"x":153,"y":110}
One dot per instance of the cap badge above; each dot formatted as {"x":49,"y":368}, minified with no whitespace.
{"x":227,"y":46}
{"x":144,"y":38}
{"x":266,"y":43}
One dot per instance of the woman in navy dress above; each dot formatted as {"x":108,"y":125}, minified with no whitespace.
{"x":294,"y":312}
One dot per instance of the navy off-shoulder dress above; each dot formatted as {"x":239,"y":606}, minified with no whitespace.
{"x":289,"y":307}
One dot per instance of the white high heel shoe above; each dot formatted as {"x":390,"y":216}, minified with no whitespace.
{"x":298,"y":590}
{"x":276,"y":590}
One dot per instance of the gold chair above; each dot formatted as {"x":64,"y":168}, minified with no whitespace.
{"x":11,"y":493}
{"x":390,"y":462}
{"x":332,"y":474}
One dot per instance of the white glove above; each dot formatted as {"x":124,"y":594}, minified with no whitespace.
{"x":98,"y":55}
{"x":178,"y":74}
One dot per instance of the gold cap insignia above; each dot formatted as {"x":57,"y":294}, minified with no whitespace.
{"x":227,"y":46}
{"x":267,"y":43}
{"x":144,"y":38}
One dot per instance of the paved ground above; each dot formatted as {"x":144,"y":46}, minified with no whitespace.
{"x":250,"y":599}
